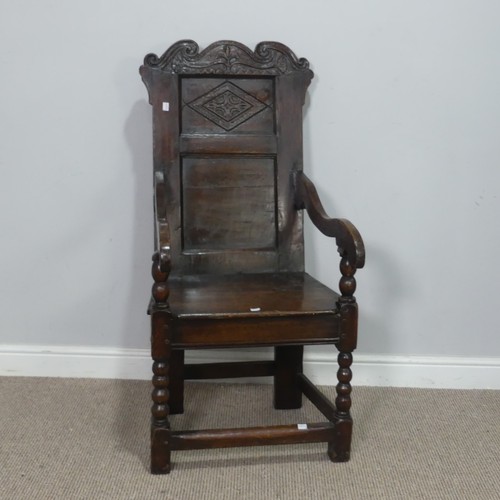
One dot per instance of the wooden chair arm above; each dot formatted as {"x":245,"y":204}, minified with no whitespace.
{"x":349,"y":241}
{"x":162,"y":230}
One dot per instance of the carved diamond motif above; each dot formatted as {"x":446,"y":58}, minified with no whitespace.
{"x":227,"y":106}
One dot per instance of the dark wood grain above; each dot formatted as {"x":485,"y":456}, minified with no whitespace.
{"x":252,"y":436}
{"x":228,"y":265}
{"x":177,"y":377}
{"x":287,"y":392}
{"x":199,"y":333}
{"x":235,"y":295}
{"x":238,"y":193}
{"x":204,"y":371}
{"x":241,"y":144}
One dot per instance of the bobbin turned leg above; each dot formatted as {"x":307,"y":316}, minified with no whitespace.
{"x":160,"y":351}
{"x":160,"y":426}
{"x":340,"y":449}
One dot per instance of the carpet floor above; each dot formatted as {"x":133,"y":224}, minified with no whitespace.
{"x":89,"y":439}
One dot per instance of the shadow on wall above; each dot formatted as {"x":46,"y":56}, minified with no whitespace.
{"x":135,"y":326}
{"x":381,"y":287}
{"x":138,"y":137}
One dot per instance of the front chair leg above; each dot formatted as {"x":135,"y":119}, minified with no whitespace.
{"x":160,"y":426}
{"x":340,"y":449}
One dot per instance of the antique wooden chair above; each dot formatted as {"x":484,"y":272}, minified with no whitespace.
{"x":229,"y":262}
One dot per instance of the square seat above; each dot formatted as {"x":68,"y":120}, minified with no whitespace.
{"x":251,"y":309}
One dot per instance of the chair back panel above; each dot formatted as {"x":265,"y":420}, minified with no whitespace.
{"x":228,"y":204}
{"x":227,"y":136}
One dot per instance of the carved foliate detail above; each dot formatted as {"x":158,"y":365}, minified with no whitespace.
{"x":227,"y":106}
{"x":228,"y":58}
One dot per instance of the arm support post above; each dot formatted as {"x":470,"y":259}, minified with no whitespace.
{"x":349,"y":241}
{"x":162,"y":230}
{"x":352,"y":252}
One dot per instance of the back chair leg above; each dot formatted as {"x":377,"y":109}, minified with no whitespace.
{"x":288,"y":364}
{"x":176,"y":386}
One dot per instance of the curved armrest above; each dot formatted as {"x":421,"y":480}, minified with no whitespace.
{"x":349,"y":241}
{"x":162,"y":230}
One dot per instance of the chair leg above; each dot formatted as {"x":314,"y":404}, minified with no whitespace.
{"x":160,"y":450}
{"x":160,"y":426}
{"x":340,"y":449}
{"x":176,"y":389}
{"x":288,"y":363}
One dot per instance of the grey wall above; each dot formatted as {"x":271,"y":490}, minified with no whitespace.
{"x":402,"y":137}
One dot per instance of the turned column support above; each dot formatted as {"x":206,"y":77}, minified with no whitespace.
{"x":347,"y":307}
{"x":160,"y":351}
{"x":339,"y":450}
{"x":160,"y":270}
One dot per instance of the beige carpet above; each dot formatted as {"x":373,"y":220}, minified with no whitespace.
{"x":88,"y":439}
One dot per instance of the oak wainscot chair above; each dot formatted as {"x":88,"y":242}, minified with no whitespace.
{"x":228,"y":266}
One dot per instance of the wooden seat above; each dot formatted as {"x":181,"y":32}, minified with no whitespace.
{"x":228,"y":266}
{"x":251,"y":309}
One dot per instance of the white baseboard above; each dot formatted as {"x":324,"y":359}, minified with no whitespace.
{"x":370,"y":370}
